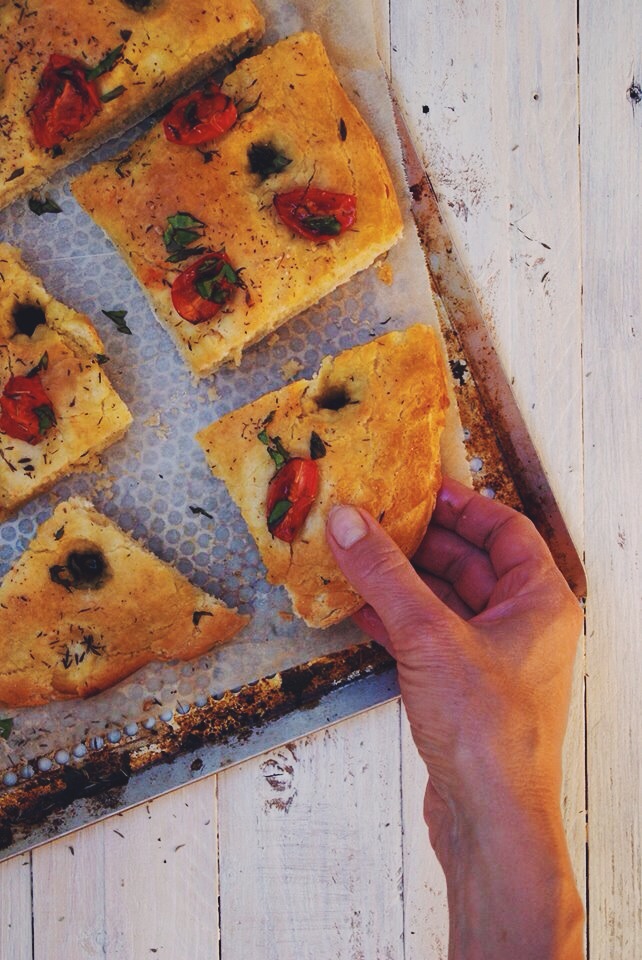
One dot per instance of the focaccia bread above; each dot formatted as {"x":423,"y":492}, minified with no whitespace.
{"x":57,"y":406}
{"x":369,"y":423}
{"x":232,"y":237}
{"x":76,"y":73}
{"x":85,"y":606}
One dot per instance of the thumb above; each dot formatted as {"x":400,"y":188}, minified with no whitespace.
{"x":378,"y":570}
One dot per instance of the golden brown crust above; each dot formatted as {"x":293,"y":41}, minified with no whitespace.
{"x":382,"y":453}
{"x":58,"y":640}
{"x":89,"y":413}
{"x":168,"y":47}
{"x":305,"y":114}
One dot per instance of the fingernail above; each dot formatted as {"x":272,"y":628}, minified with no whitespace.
{"x":347,"y":526}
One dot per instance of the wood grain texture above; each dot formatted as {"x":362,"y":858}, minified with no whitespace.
{"x":490,"y":91}
{"x":424,"y":885}
{"x":142,"y":883}
{"x":492,"y":102}
{"x":15,"y":909}
{"x":611,"y":154}
{"x":310,"y":847}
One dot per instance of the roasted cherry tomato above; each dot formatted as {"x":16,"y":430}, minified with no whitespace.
{"x":65,"y":103}
{"x":291,"y":493}
{"x":200,"y":291}
{"x":26,"y":412}
{"x":316,"y":214}
{"x":200,"y":116}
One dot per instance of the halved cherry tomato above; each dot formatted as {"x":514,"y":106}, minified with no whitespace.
{"x":65,"y":103}
{"x":291,"y":493}
{"x":200,"y":291}
{"x":316,"y":214}
{"x":200,"y":116}
{"x":26,"y":412}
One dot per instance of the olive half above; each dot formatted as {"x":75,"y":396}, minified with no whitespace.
{"x":84,"y":568}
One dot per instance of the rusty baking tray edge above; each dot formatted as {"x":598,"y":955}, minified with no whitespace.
{"x":227,"y":730}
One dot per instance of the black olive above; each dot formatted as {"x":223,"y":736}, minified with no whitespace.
{"x":86,"y":567}
{"x":139,"y":5}
{"x":27,"y":317}
{"x":334,"y":398}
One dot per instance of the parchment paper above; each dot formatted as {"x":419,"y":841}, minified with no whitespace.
{"x":149,"y":480}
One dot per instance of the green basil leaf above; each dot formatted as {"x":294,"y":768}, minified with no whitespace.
{"x":46,"y":417}
{"x":182,"y":220}
{"x":38,"y":206}
{"x":263,"y":437}
{"x":106,"y":64}
{"x":278,"y":511}
{"x":328,"y":226}
{"x":184,"y":253}
{"x":6,"y":726}
{"x":118,"y":318}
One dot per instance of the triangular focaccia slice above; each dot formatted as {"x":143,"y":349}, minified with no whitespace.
{"x":76,"y":73}
{"x":57,"y":406}
{"x":85,"y":606}
{"x":373,"y":415}
{"x":300,"y":132}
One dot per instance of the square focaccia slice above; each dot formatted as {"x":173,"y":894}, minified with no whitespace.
{"x":365,"y":431}
{"x":75,"y":74}
{"x":232,"y":237}
{"x":85,"y":606}
{"x":57,"y":406}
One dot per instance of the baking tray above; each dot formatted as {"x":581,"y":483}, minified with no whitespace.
{"x":173,"y":723}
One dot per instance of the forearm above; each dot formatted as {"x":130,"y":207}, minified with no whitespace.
{"x":511,"y":891}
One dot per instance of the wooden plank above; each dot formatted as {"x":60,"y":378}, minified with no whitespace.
{"x":69,"y":896}
{"x":310,"y":846}
{"x":425,"y":901}
{"x":15,"y":908}
{"x":611,"y":156}
{"x":141,"y":883}
{"x":492,"y":99}
{"x":166,"y":853}
{"x":381,"y":13}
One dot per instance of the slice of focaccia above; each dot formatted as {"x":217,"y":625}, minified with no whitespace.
{"x":57,"y":406}
{"x":233,"y":236}
{"x":76,"y":73}
{"x":85,"y":606}
{"x":364,"y":431}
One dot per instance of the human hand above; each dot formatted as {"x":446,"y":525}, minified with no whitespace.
{"x":484,"y":631}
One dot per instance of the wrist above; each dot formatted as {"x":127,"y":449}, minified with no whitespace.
{"x":511,"y":890}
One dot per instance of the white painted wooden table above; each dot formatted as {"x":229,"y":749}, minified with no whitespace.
{"x":317,"y":850}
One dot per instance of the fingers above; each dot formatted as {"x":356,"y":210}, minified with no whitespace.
{"x":446,"y":555}
{"x":380,"y":573}
{"x":508,"y":537}
{"x":369,"y":620}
